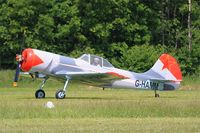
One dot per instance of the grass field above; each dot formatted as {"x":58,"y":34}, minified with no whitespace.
{"x":90,"y":109}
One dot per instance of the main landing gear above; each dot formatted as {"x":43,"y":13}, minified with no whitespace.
{"x":40,"y":93}
{"x":60,"y":94}
{"x":156,"y":94}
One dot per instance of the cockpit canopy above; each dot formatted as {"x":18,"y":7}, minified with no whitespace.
{"x":95,"y":60}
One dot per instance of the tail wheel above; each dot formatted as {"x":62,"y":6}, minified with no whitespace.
{"x":40,"y":94}
{"x":60,"y":94}
{"x":157,"y":95}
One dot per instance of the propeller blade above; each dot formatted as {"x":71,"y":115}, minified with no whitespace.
{"x":16,"y":74}
{"x":19,"y":59}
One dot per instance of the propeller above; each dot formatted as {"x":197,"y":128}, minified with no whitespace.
{"x":19,"y":59}
{"x":17,"y":72}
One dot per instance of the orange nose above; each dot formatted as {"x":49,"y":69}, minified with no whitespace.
{"x":30,"y":59}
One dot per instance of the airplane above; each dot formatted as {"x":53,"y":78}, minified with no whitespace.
{"x":97,"y":71}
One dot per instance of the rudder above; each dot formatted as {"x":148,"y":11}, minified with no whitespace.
{"x":167,"y":67}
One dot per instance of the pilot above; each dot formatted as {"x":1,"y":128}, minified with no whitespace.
{"x":96,"y":62}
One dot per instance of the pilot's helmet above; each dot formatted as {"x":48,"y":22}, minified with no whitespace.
{"x":96,"y":59}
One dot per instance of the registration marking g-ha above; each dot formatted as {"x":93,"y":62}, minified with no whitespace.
{"x":146,"y":84}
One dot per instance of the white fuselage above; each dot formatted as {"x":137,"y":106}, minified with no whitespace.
{"x":77,"y":69}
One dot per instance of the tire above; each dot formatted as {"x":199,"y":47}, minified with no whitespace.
{"x":60,"y":94}
{"x":157,"y":95}
{"x":39,"y":94}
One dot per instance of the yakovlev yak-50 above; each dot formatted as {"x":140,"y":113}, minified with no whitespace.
{"x":97,"y":71}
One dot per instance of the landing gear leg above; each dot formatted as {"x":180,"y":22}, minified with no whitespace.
{"x":156,"y":94}
{"x":60,"y":94}
{"x":40,"y":92}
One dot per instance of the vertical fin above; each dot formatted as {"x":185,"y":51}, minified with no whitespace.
{"x":167,"y":67}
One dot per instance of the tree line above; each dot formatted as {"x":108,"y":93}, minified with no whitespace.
{"x":131,"y":34}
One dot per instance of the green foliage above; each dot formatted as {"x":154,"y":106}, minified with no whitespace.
{"x":189,"y":61}
{"x":127,"y":32}
{"x":139,"y":58}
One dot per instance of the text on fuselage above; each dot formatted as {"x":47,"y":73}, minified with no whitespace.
{"x":146,"y":84}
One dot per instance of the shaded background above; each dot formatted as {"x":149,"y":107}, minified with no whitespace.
{"x":131,"y":34}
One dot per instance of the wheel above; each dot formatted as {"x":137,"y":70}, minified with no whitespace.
{"x":40,"y":94}
{"x":157,"y":95}
{"x":60,"y":94}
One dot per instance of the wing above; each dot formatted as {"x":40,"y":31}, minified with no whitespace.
{"x":91,"y":78}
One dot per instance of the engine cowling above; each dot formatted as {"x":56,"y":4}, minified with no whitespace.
{"x":29,"y":59}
